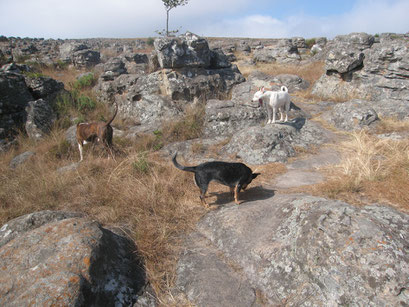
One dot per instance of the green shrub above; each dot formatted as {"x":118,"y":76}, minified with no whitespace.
{"x":86,"y":81}
{"x":141,"y":165}
{"x":310,"y":42}
{"x":85,"y":104}
{"x":150,"y":41}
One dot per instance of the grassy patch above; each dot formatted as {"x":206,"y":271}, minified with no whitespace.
{"x":156,"y":202}
{"x":371,"y":169}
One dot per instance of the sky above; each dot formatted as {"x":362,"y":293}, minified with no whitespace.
{"x":211,"y":18}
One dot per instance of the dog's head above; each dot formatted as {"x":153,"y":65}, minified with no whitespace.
{"x":257,"y":96}
{"x":253,"y":176}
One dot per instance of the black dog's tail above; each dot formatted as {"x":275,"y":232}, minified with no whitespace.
{"x":294,"y":107}
{"x":181,"y":167}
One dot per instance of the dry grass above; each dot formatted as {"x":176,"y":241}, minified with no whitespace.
{"x":371,"y":170}
{"x":139,"y":192}
{"x":309,"y":72}
{"x":388,"y":125}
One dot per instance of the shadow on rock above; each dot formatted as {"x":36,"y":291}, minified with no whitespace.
{"x":297,"y":123}
{"x":250,"y":194}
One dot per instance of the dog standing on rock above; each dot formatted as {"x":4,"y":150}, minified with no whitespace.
{"x":274,"y":101}
{"x":96,"y":132}
{"x":237,"y":176}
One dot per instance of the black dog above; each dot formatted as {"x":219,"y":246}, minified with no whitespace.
{"x":237,"y":176}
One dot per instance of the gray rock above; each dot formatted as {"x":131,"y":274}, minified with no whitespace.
{"x":275,"y":142}
{"x":14,"y":96}
{"x":40,"y":117}
{"x":302,"y":251}
{"x":224,"y":117}
{"x":86,"y":58}
{"x":60,"y":258}
{"x":21,"y":158}
{"x":44,"y":87}
{"x":188,"y":50}
{"x":67,"y":50}
{"x":284,"y":51}
{"x":353,"y":115}
{"x":381,"y":74}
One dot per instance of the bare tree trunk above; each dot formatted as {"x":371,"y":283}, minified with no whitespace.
{"x":167,"y":22}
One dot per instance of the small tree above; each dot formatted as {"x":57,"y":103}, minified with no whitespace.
{"x":170,"y":4}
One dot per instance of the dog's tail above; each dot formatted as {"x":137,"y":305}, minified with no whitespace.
{"x":284,"y":89}
{"x":294,"y":107}
{"x":116,"y":111}
{"x":181,"y":167}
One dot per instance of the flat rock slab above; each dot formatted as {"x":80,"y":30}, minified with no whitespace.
{"x":297,"y":178}
{"x":297,"y":250}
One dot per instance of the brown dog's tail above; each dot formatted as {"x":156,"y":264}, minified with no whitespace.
{"x":181,"y":167}
{"x":116,"y":111}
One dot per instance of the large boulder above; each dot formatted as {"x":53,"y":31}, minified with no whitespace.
{"x":188,"y":50}
{"x":296,"y":250}
{"x":14,"y":96}
{"x":283,"y":51}
{"x":358,"y":66}
{"x":58,"y":258}
{"x":40,"y":117}
{"x":275,"y":142}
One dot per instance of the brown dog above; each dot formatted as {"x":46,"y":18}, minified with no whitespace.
{"x":96,"y":132}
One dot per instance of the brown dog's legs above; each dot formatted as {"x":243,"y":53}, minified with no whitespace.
{"x":236,"y":194}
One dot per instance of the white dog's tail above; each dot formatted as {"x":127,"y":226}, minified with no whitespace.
{"x":284,"y":89}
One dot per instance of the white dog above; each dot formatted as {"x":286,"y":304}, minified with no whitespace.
{"x":274,"y":100}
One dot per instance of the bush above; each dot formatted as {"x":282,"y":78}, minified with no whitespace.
{"x":310,"y":42}
{"x":150,"y":41}
{"x":85,"y":81}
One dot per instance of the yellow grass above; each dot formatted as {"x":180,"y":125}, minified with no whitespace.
{"x":372,"y":170}
{"x":140,"y":192}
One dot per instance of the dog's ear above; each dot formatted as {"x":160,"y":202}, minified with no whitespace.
{"x":254,"y":175}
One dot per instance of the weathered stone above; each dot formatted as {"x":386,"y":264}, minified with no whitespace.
{"x":56,"y":258}
{"x":301,"y":250}
{"x":188,"y":50}
{"x":86,"y":58}
{"x":21,"y":158}
{"x":14,"y":97}
{"x":380,"y":75}
{"x":40,"y":117}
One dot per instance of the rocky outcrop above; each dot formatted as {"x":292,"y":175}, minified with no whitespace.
{"x":188,"y":50}
{"x":79,"y":54}
{"x":58,"y":258}
{"x":296,"y":250}
{"x":275,"y":142}
{"x":26,"y":101}
{"x":360,"y":66}
{"x":284,"y":51}
{"x":14,"y":97}
{"x":40,"y":117}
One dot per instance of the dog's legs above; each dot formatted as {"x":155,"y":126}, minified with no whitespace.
{"x":281,"y":114}
{"x":231,"y":191}
{"x":269,"y":115}
{"x":80,"y":149}
{"x":274,"y":115}
{"x":236,"y":194}
{"x":203,"y":198}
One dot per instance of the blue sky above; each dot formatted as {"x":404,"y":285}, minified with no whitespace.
{"x":222,"y":18}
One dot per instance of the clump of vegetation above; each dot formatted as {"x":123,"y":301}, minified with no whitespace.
{"x":376,"y":168}
{"x":84,"y":82}
{"x":150,"y":41}
{"x":189,"y":127}
{"x":310,"y":42}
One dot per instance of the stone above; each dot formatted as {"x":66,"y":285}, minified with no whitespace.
{"x":21,"y":158}
{"x":58,"y":258}
{"x":298,"y":249}
{"x":188,"y":50}
{"x":40,"y":117}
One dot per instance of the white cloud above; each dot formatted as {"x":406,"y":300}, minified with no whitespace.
{"x":140,"y":18}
